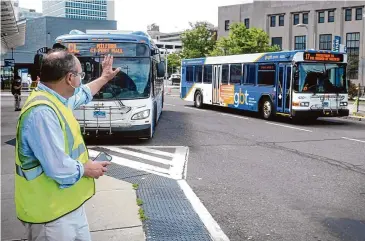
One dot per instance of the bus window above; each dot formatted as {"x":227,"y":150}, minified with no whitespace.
{"x":225,"y":74}
{"x":236,"y":73}
{"x":208,"y":69}
{"x":189,"y":74}
{"x":198,"y":74}
{"x":266,"y":74}
{"x":251,"y":74}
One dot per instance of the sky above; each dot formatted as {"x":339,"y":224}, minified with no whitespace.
{"x":170,"y":15}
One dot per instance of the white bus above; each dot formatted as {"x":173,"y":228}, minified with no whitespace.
{"x":132,"y":102}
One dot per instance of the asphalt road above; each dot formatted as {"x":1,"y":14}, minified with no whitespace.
{"x":272,"y":180}
{"x":266,"y":180}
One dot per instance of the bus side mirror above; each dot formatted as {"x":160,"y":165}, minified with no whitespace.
{"x":161,"y":69}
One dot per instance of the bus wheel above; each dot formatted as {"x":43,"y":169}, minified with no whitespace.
{"x":198,"y":100}
{"x":266,"y":109}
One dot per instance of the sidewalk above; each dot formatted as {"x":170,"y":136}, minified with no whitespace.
{"x":112,"y":213}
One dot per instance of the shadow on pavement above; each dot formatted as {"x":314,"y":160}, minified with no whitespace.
{"x":332,"y":121}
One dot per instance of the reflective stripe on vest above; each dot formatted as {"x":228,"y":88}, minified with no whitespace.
{"x":36,"y":171}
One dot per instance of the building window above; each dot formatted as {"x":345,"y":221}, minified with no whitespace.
{"x":226,"y":25}
{"x":348,"y":14}
{"x":281,"y":20}
{"x":320,"y":17}
{"x":272,"y":21}
{"x":325,"y":41}
{"x":358,"y":14}
{"x":277,"y":41}
{"x":300,"y":42}
{"x":296,"y":19}
{"x":331,"y":16}
{"x":305,"y":18}
{"x":247,"y":22}
{"x":353,"y":51}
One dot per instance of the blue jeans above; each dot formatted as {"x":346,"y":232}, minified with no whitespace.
{"x":71,"y":227}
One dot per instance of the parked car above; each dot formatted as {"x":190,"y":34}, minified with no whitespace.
{"x":175,"y":78}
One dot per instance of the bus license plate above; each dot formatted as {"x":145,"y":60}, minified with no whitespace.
{"x":99,"y":114}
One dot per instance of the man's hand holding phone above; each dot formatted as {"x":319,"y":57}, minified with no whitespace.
{"x":96,"y":168}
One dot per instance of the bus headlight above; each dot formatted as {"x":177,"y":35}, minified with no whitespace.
{"x":141,"y":115}
{"x":305,"y":104}
{"x":343,"y":103}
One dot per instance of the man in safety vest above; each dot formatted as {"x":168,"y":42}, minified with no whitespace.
{"x":53,"y":174}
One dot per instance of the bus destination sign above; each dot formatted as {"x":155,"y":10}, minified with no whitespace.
{"x":323,"y":57}
{"x":106,"y":49}
{"x":115,"y":49}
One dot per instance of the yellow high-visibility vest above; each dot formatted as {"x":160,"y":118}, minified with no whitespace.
{"x":38,"y":198}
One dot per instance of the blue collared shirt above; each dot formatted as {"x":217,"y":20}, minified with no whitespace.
{"x":42,"y":138}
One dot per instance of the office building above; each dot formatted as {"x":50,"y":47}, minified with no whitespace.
{"x":305,"y":25}
{"x":80,"y":9}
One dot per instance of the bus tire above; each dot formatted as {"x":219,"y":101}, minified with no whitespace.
{"x":266,"y":108}
{"x":198,"y":100}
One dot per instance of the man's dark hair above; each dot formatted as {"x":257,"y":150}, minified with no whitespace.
{"x":57,"y":64}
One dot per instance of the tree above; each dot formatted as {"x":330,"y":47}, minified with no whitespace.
{"x":173,"y":62}
{"x":198,"y":41}
{"x":243,"y":41}
{"x":352,"y":66}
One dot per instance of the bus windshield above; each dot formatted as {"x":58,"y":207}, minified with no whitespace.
{"x":321,"y":78}
{"x":132,"y":82}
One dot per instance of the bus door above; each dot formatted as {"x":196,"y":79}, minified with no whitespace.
{"x":283,"y":93}
{"x":217,"y":74}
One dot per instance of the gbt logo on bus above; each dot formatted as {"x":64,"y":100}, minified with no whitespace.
{"x":240,"y":98}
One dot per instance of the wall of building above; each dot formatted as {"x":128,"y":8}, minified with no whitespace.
{"x":259,"y":14}
{"x":41,"y":32}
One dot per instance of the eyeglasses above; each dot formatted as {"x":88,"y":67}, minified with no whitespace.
{"x":82,"y":74}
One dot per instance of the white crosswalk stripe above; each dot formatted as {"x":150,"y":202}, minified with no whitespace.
{"x":167,"y":161}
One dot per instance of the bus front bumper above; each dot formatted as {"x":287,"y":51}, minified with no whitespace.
{"x":320,"y":113}
{"x":130,"y":131}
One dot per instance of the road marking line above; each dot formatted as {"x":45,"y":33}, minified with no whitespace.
{"x":235,"y":116}
{"x":154,"y":151}
{"x":353,"y":139}
{"x":135,"y":165}
{"x":194,"y":108}
{"x":211,"y":225}
{"x":169,"y":105}
{"x":137,"y":154}
{"x":291,"y":127}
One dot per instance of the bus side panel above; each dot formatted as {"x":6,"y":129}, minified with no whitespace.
{"x":207,"y":93}
{"x":187,"y":89}
{"x":246,"y":97}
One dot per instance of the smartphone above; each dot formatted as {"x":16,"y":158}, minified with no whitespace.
{"x":102,"y":156}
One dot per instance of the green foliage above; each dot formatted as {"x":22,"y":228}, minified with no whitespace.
{"x":173,"y":61}
{"x":198,"y":41}
{"x":243,"y":41}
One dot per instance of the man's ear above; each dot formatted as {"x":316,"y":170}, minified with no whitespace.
{"x":68,"y":78}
